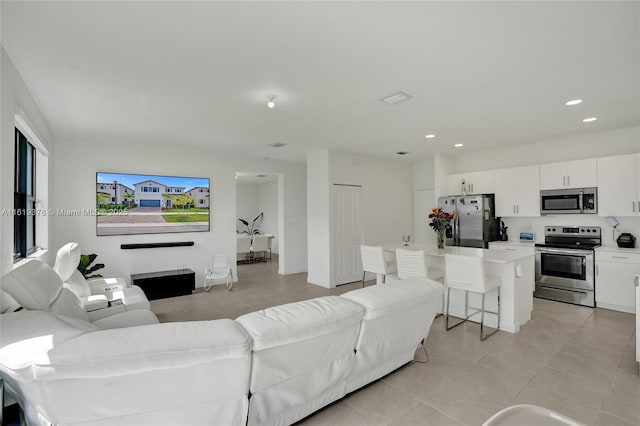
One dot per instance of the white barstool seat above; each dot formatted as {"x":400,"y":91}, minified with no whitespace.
{"x":466,"y":273}
{"x":260,"y":246}
{"x":373,"y":261}
{"x":243,"y":247}
{"x":413,"y":263}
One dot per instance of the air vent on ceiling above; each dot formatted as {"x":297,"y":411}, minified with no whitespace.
{"x":402,"y":152}
{"x":396,"y":98}
{"x":277,"y":144}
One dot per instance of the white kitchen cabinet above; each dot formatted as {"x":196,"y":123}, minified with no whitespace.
{"x":619,"y":185}
{"x":474,"y":183}
{"x":517,"y":192}
{"x":569,"y":174}
{"x":615,"y":272}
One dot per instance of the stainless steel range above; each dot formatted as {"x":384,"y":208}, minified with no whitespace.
{"x":565,"y":264}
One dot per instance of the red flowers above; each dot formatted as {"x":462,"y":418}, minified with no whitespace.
{"x":440,"y":219}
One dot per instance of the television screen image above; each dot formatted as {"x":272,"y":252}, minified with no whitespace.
{"x":130,"y":204}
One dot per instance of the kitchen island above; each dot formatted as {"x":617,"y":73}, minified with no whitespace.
{"x":516,"y":270}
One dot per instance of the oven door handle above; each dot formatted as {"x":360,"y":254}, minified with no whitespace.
{"x":563,"y":251}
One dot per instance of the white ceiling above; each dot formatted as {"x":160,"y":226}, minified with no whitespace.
{"x":480,"y":73}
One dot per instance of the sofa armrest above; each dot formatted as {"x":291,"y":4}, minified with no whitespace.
{"x":107,"y":286}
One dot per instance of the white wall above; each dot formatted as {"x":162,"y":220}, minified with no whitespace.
{"x":387,"y":203}
{"x":387,"y":193}
{"x":622,"y":141}
{"x":16,"y":99}
{"x":268,"y":203}
{"x":318,"y":224}
{"x":76,"y":163}
{"x":247,"y":203}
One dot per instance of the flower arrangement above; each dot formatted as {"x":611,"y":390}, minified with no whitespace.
{"x":439,"y":222}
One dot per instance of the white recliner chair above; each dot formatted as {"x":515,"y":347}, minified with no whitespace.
{"x":35,"y":286}
{"x":96,"y":294}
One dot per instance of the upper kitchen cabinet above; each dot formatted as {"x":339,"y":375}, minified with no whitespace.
{"x":474,"y":183}
{"x":518,"y":191}
{"x":619,"y":185}
{"x":568,"y":174}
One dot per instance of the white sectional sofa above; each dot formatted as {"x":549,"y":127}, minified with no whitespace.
{"x":271,"y":367}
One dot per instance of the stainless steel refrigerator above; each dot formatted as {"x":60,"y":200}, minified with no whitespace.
{"x":475,"y":224}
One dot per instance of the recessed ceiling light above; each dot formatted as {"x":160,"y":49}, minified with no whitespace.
{"x":573,"y":102}
{"x":396,"y":98}
{"x":589,"y":120}
{"x":271,"y":101}
{"x":277,"y":144}
{"x":429,"y":136}
{"x":402,"y":152}
{"x":458,"y":145}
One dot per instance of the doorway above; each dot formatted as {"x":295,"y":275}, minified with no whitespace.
{"x":258,"y":212}
{"x":347,"y":233}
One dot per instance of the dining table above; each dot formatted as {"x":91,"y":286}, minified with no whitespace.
{"x":516,"y":270}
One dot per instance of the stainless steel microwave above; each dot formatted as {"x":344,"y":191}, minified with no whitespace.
{"x":569,"y":201}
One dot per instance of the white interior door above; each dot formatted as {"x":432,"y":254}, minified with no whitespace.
{"x":425,"y":200}
{"x":347,"y":233}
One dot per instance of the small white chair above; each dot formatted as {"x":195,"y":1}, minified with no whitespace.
{"x":373,"y":261}
{"x":243,"y":247}
{"x":219,"y":271}
{"x":260,"y":245}
{"x":467,"y":273}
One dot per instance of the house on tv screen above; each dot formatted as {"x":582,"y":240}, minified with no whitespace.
{"x":200,"y":196}
{"x":150,"y":193}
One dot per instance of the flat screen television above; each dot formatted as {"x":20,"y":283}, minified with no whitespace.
{"x":130,"y":204}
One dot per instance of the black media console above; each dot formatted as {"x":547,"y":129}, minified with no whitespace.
{"x":159,"y":285}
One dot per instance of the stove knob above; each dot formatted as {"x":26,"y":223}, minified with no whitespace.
{"x":554,"y":229}
{"x":593,"y":230}
{"x":582,"y":230}
{"x":588,"y":230}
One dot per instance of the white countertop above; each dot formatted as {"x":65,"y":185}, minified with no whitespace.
{"x":494,"y":256}
{"x":618,"y":249}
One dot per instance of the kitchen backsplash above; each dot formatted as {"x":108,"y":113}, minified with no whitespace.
{"x":537,"y":224}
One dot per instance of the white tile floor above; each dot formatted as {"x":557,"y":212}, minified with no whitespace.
{"x":575,"y":360}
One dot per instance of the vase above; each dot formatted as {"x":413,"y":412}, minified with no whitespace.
{"x":440,"y":238}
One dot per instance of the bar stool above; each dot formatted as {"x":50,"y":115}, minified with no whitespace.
{"x":413,"y":263}
{"x":373,"y":261}
{"x":467,"y":273}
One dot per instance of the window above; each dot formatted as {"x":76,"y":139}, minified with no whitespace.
{"x":24,"y":201}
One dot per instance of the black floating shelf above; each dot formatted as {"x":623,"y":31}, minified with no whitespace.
{"x":156,"y":245}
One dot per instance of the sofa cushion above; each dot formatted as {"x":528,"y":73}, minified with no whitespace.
{"x":382,"y":300}
{"x":132,"y":350}
{"x":127,"y":319}
{"x":26,"y":334}
{"x":34,"y":285}
{"x":298,"y":321}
